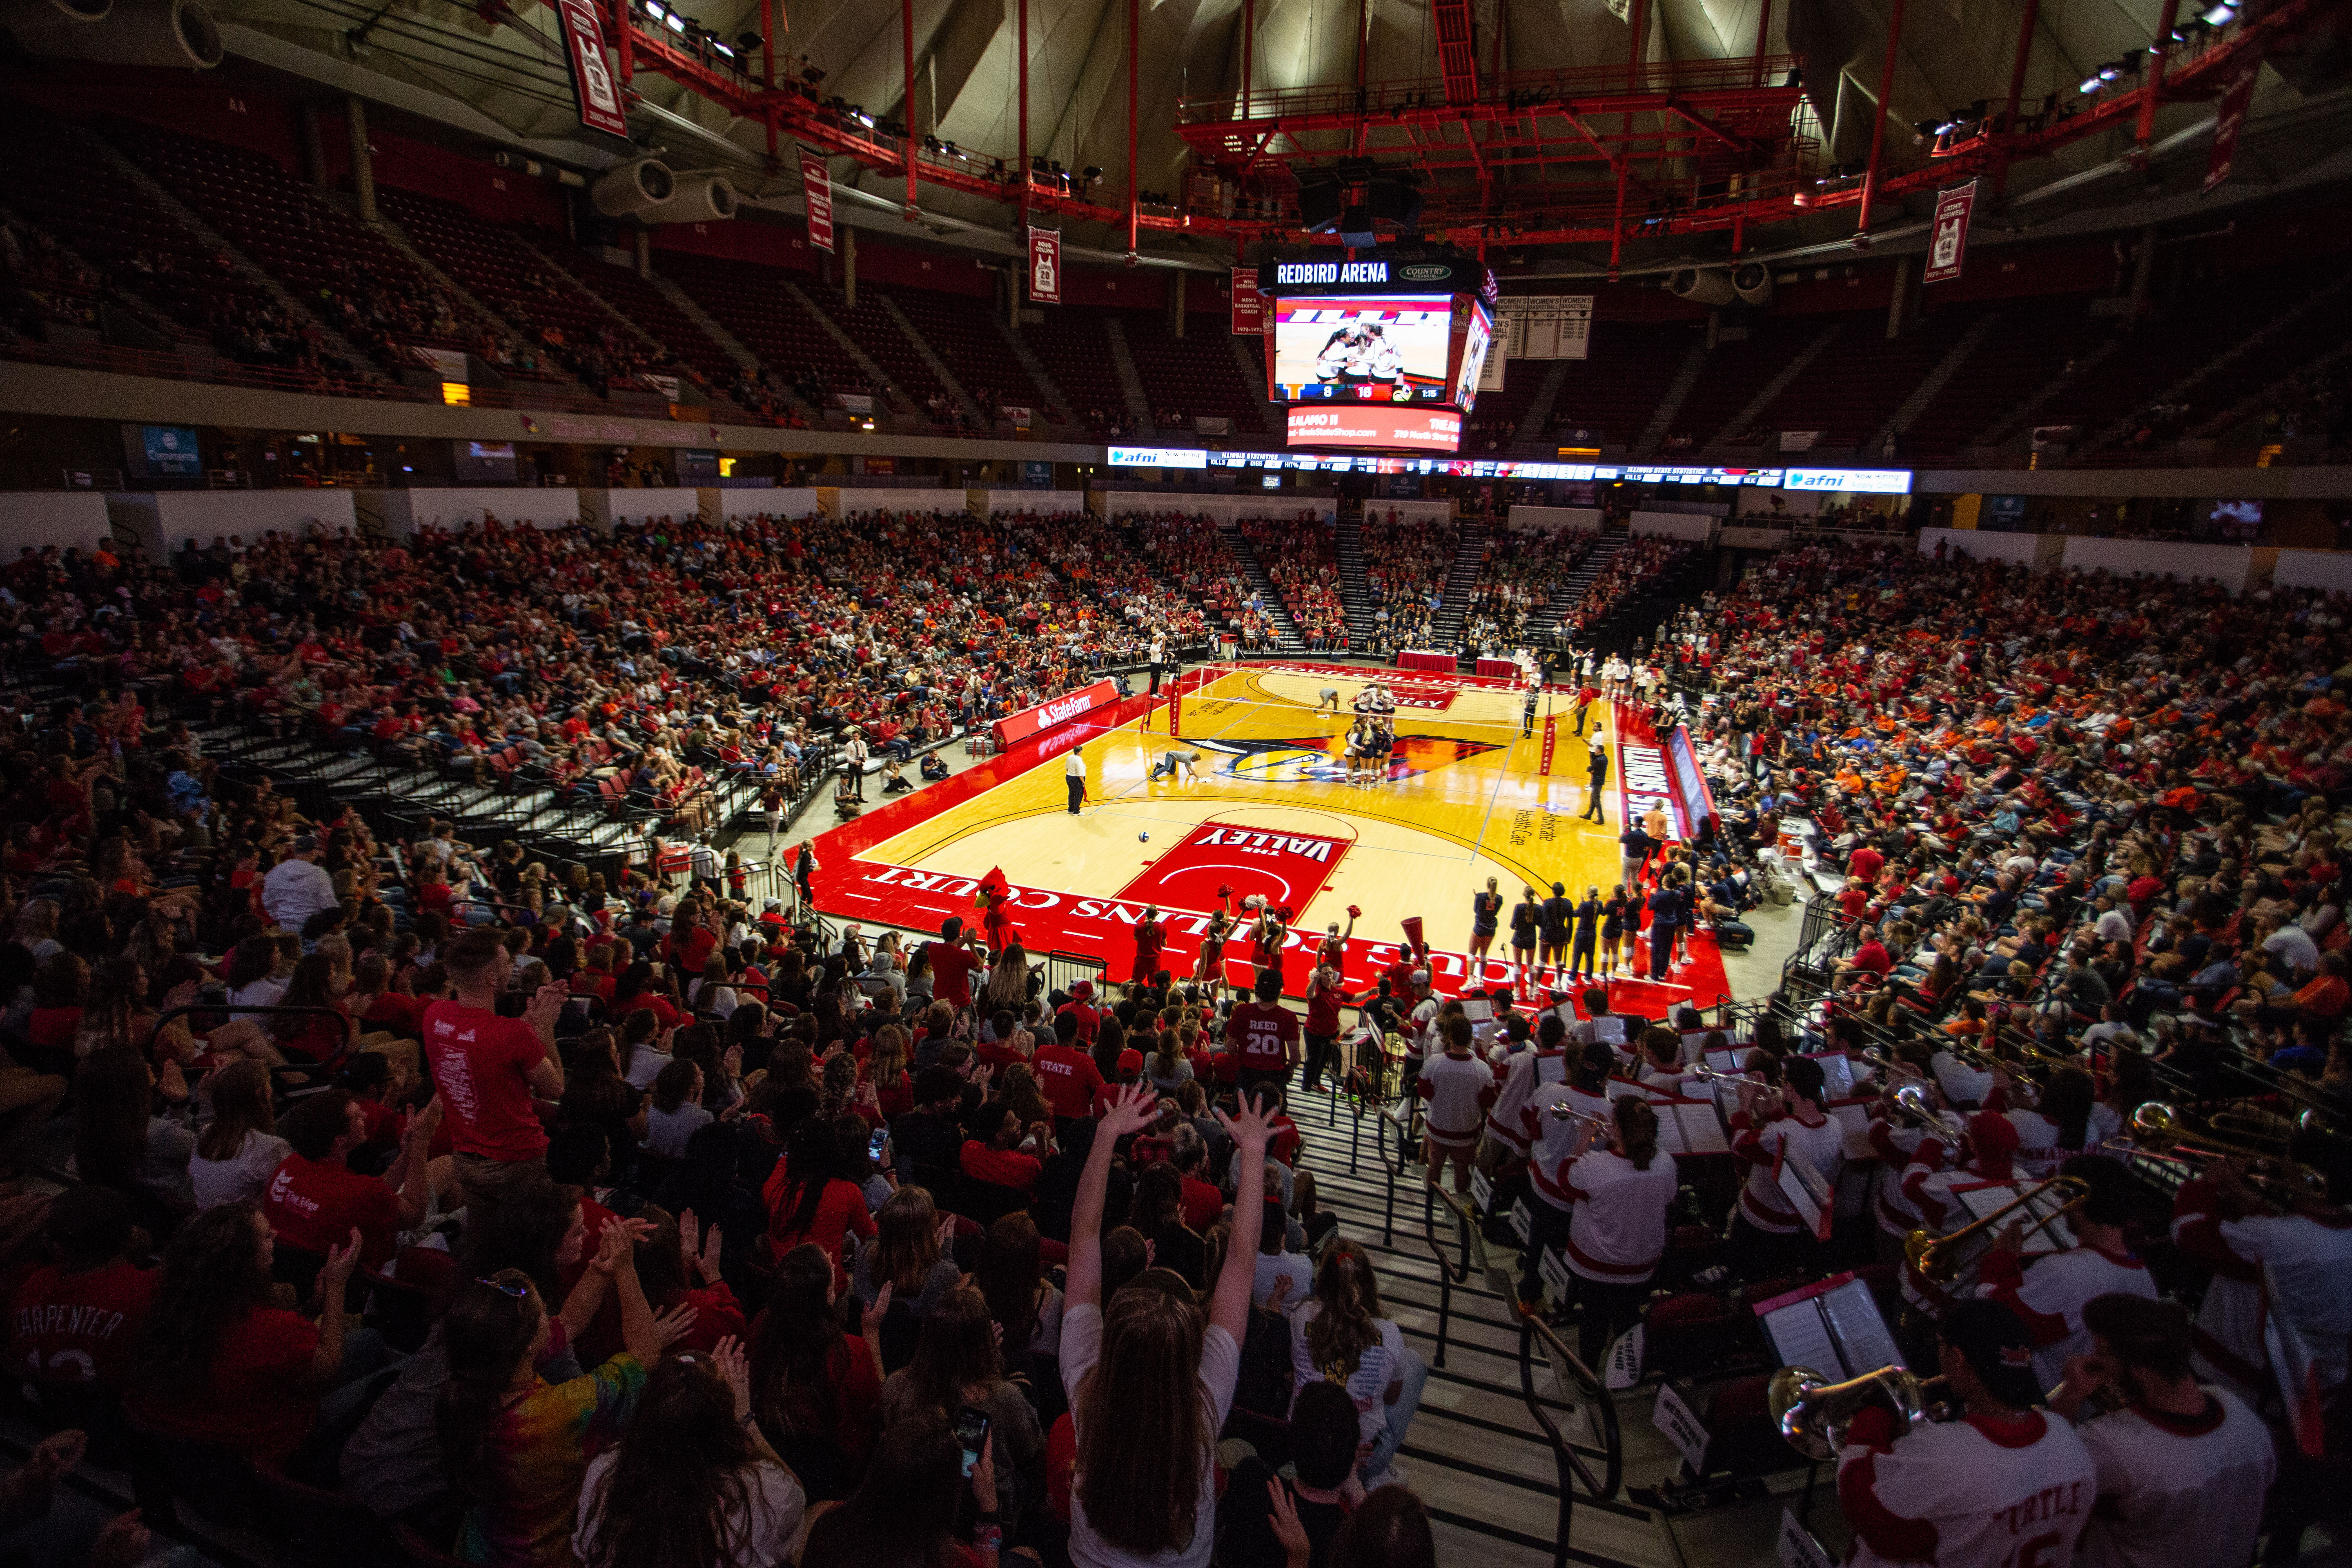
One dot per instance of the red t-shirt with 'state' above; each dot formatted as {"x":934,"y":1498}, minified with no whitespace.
{"x":1067,"y":1079}
{"x":77,"y":1328}
{"x":316,"y":1204}
{"x":1263,"y":1033}
{"x":482,"y":1064}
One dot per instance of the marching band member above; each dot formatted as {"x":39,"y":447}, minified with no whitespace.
{"x":1985,"y":1150}
{"x":1899,"y":1147}
{"x":2037,"y":1156}
{"x":1617,"y":1232}
{"x":2217,"y":1220}
{"x":1558,"y":1142}
{"x":1765,"y":1231}
{"x":1658,"y":1067}
{"x":2049,"y":1297}
{"x":2183,"y":1468}
{"x":1459,"y":1087}
{"x":1526,"y":1091}
{"x":2003,"y":1486}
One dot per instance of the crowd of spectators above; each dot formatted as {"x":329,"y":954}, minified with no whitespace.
{"x":1301,"y":559}
{"x":571,"y":1221}
{"x":1405,"y":568}
{"x":1523,"y":569}
{"x":1637,"y":563}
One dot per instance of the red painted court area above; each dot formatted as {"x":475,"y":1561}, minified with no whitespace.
{"x":1285,"y":869}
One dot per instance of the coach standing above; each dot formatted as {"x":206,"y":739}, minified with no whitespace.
{"x":1598,"y":772}
{"x":1074,"y":774}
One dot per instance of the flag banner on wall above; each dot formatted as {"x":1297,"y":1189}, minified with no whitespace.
{"x":592,"y":85}
{"x":816,"y":194}
{"x":2227,"y":121}
{"x":1948,"y":242}
{"x":1045,"y":266}
{"x":1249,"y":305}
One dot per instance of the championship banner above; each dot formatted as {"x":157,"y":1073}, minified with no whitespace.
{"x":598,"y":95}
{"x":1948,"y":240}
{"x":1249,"y":305}
{"x":1045,"y":266}
{"x":816,"y":194}
{"x":2228,"y":120}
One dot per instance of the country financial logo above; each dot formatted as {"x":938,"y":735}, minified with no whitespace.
{"x":1321,"y":759}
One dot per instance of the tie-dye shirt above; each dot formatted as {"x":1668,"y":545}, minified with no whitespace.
{"x":541,"y":1448}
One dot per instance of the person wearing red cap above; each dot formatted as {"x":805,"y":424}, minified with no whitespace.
{"x":1081,"y":1007}
{"x":2005,"y":1484}
{"x":1930,"y":1183}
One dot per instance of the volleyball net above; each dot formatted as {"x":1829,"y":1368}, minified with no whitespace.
{"x":1477,"y":721}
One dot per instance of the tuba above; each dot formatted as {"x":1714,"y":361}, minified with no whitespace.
{"x":1811,"y":1413}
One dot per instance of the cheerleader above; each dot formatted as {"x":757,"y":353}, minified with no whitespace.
{"x":1209,"y":972}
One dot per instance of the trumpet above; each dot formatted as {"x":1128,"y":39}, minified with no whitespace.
{"x":1700,"y":1069}
{"x":1937,"y":1258}
{"x":2165,"y":1129}
{"x":1811,"y":1413}
{"x":1562,"y":1111}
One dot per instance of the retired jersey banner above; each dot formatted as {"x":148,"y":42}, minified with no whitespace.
{"x":1045,"y":266}
{"x":816,"y":194}
{"x":592,"y":85}
{"x":1948,"y":241}
{"x":2227,"y":118}
{"x":1249,"y":305}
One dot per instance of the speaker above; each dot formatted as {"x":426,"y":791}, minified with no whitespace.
{"x":1702,"y":284}
{"x":1318,"y":202}
{"x":1753,"y":281}
{"x":633,"y":187}
{"x":1394,"y":202}
{"x":1356,"y":228}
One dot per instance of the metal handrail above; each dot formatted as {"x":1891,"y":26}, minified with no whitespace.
{"x":1568,"y":1463}
{"x":1448,"y":1274}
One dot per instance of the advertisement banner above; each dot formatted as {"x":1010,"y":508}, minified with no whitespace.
{"x":816,"y":194}
{"x":1948,"y":241}
{"x":1015,"y":728}
{"x":1021,"y":416}
{"x":1695,"y":803}
{"x":1249,"y":305}
{"x":450,"y":364}
{"x":593,"y":86}
{"x":2227,"y":121}
{"x":1045,"y":266}
{"x":1376,"y":425}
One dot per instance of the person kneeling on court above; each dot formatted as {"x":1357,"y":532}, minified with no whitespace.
{"x":1174,"y":758}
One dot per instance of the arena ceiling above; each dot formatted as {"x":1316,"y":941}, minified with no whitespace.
{"x":500,"y":76}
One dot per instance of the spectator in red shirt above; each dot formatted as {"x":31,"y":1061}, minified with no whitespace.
{"x":1863,"y":865}
{"x":1067,"y":1076}
{"x":219,"y":1362}
{"x":1201,"y":1202}
{"x":678,"y":1253}
{"x":1081,"y":1007}
{"x":1870,"y":958}
{"x":1000,"y":1152}
{"x":1150,"y":937}
{"x":489,"y":1069}
{"x":75,"y":1317}
{"x":953,"y":963}
{"x":1263,"y":1037}
{"x":810,"y":1198}
{"x":316,"y":1198}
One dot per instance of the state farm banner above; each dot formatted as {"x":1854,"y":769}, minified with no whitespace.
{"x":1045,"y":266}
{"x":1948,"y":242}
{"x":2227,"y":121}
{"x":599,"y":96}
{"x":1249,"y":305}
{"x":1015,"y":728}
{"x":816,"y":194}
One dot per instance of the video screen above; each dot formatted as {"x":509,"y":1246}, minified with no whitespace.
{"x":1387,"y":348}
{"x":1474,"y":344}
{"x":1372,"y":425}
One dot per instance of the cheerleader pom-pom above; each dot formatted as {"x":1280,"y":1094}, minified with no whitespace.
{"x":1354,"y":913}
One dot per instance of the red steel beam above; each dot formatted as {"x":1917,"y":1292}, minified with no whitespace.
{"x":1457,"y":49}
{"x":1878,"y":119}
{"x":2160,"y":51}
{"x":907,"y":109}
{"x":1133,"y":201}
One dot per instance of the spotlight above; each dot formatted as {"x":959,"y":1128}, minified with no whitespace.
{"x":2220,"y":15}
{"x":674,"y":22}
{"x":2091,"y":84}
{"x":2110,"y":72}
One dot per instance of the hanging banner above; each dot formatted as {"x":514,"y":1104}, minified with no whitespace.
{"x":816,"y":194}
{"x":1949,"y":241}
{"x":1249,"y":305}
{"x":593,"y":86}
{"x":2227,"y":121}
{"x":450,"y":364}
{"x":1045,"y":266}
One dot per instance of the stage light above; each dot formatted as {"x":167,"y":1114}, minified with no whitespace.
{"x":2092,"y":84}
{"x":2220,"y":15}
{"x":2110,"y":72}
{"x":674,"y":22}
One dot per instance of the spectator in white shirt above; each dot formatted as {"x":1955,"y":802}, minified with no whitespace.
{"x":297,"y":887}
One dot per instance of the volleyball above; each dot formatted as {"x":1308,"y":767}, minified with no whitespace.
{"x":1144,"y":838}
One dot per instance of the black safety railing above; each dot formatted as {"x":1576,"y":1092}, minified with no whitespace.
{"x":1568,"y":1460}
{"x":1467,"y":1241}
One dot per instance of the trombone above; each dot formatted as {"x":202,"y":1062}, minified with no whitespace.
{"x":1811,"y":1413}
{"x":2165,"y":1130}
{"x":1911,"y":1100}
{"x":1937,"y":1258}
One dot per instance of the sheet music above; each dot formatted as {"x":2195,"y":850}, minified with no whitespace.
{"x":1802,"y":1185}
{"x":1863,"y":1341}
{"x":1854,"y":1119}
{"x":1670,"y":1133}
{"x":1837,"y":1074}
{"x":1702,"y":1133}
{"x":1800,"y":1337}
{"x":1725,"y":1061}
{"x":1478,"y":1009}
{"x":1983,"y":1200}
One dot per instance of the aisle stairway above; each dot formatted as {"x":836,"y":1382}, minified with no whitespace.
{"x":1277,"y":613}
{"x":1469,"y":553}
{"x":1545,"y":621}
{"x":1355,"y":590}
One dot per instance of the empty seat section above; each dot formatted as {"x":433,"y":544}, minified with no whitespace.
{"x":748,"y":300}
{"x":1194,"y":374}
{"x":1615,"y":388}
{"x":1077,"y":355}
{"x":960,"y":329}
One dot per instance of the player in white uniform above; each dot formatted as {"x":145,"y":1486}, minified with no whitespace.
{"x":1766,"y":1234}
{"x":2183,"y":1468}
{"x":2006,"y":1486}
{"x":2048,"y":1296}
{"x":1617,"y":1233}
{"x":2303,"y":1256}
